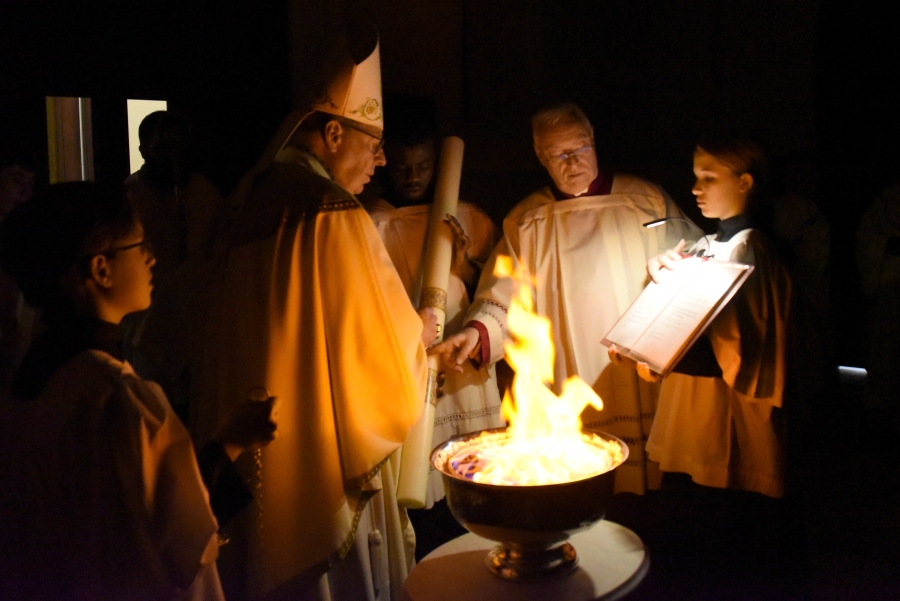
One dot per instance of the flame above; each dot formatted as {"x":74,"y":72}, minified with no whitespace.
{"x":545,"y":443}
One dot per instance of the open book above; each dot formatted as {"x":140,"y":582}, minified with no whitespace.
{"x":668,"y":317}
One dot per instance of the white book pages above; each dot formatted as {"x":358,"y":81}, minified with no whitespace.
{"x":668,"y":316}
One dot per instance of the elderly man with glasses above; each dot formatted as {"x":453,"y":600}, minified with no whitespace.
{"x":583,"y":240}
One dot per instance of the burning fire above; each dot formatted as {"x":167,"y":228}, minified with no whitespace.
{"x":544,"y":443}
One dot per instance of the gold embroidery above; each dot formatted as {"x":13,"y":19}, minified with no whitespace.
{"x":431,"y":391}
{"x":370,"y":109}
{"x":453,"y":417}
{"x":338,"y":205}
{"x":433,"y":297}
{"x":354,"y":484}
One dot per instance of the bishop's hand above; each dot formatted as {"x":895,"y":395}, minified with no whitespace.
{"x":429,"y":326}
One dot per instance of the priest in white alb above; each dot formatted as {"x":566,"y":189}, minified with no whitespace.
{"x":582,"y":238}
{"x":311,"y":309}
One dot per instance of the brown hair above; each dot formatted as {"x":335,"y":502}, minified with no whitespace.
{"x":743,"y":155}
{"x":44,"y":242}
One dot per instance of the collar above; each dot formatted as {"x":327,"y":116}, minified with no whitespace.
{"x":290,"y":154}
{"x":399,"y":202}
{"x":601,"y":186}
{"x":727,"y":228}
{"x":63,"y":340}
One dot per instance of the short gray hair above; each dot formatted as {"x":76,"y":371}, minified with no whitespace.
{"x":559,"y":113}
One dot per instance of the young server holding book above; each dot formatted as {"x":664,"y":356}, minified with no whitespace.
{"x":720,"y":417}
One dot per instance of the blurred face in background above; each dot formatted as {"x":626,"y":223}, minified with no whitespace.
{"x":16,"y":186}
{"x":567,"y":153}
{"x":411,"y":170}
{"x":168,"y":155}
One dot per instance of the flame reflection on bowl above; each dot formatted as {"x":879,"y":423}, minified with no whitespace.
{"x":531,"y":523}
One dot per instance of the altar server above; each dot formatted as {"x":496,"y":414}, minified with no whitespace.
{"x":720,"y":417}
{"x":471,"y":400}
{"x":100,"y":493}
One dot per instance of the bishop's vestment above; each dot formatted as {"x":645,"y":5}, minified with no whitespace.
{"x":311,"y":309}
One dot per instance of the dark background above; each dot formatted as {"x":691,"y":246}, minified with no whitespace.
{"x":815,"y":79}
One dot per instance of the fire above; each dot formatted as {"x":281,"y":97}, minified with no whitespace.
{"x":544,"y":443}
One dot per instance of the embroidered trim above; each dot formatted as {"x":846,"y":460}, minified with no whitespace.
{"x":488,"y":301}
{"x":431,"y":388}
{"x":370,"y":109}
{"x":467,"y":415}
{"x":338,"y":205}
{"x":497,"y":319}
{"x":342,"y":551}
{"x":619,"y":418}
{"x":364,"y":497}
{"x":433,"y":297}
{"x":359,"y":481}
{"x":632,"y":441}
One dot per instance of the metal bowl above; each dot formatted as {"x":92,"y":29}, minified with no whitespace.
{"x":531,"y":523}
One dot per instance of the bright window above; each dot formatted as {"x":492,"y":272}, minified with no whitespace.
{"x":137,"y":110}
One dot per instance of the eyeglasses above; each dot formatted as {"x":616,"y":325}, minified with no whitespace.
{"x":144,"y":243}
{"x":575,"y":153}
{"x":348,"y":123}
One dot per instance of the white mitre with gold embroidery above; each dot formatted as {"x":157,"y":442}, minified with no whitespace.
{"x":355,"y":92}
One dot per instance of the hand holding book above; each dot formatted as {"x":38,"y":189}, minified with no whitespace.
{"x":673,"y":310}
{"x":642,"y":368}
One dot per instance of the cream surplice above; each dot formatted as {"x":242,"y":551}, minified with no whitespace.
{"x":588,"y":256}
{"x":728,"y":431}
{"x":102,"y":497}
{"x":471,"y":400}
{"x":312,"y":309}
